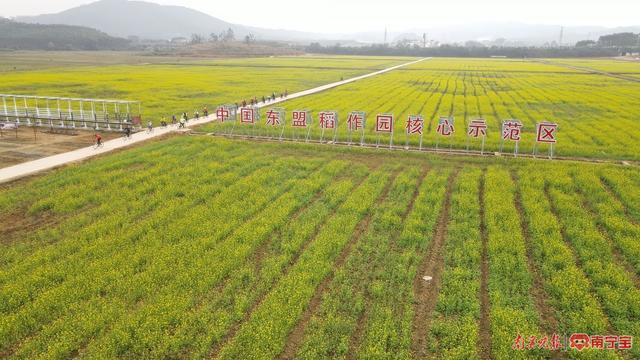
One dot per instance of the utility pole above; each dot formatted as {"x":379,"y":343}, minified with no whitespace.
{"x":424,"y":40}
{"x":561,"y":35}
{"x":385,"y":35}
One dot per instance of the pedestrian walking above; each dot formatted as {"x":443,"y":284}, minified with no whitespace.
{"x":98,"y":140}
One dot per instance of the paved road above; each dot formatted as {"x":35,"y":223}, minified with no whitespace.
{"x":28,"y":168}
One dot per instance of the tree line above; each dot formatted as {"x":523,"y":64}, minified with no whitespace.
{"x":22,"y":36}
{"x":607,"y":45}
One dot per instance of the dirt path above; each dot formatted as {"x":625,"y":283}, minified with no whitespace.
{"x":485,"y":303}
{"x":426,"y":293}
{"x":51,"y":162}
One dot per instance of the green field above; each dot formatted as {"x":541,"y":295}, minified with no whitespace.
{"x":597,"y":115}
{"x":172,"y":86}
{"x":197,"y":247}
{"x":622,"y":67}
{"x":205,"y":247}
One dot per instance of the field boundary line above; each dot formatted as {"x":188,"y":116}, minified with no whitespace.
{"x":440,"y":151}
{"x":51,"y":162}
{"x":589,"y":70}
{"x":432,"y":264}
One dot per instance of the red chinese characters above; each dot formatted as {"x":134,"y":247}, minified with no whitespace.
{"x":223,"y":114}
{"x":625,"y":342}
{"x":248,"y":116}
{"x":511,"y":130}
{"x":328,"y":119}
{"x":384,"y":123}
{"x":415,"y":125}
{"x":445,"y":127}
{"x":300,"y":118}
{"x":355,"y":121}
{"x":477,"y":128}
{"x":576,"y":342}
{"x":546,"y":132}
{"x":274,"y":117}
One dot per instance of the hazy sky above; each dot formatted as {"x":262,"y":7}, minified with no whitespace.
{"x":366,"y":15}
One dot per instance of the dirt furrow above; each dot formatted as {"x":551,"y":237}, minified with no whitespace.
{"x":426,"y":292}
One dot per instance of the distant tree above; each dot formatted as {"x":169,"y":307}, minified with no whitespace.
{"x":213,"y":37}
{"x":315,"y":47}
{"x":500,"y":42}
{"x":22,"y":36}
{"x":228,"y":35}
{"x":249,"y":39}
{"x":196,"y":39}
{"x":586,"y":43}
{"x":473,"y":44}
{"x":619,"y":39}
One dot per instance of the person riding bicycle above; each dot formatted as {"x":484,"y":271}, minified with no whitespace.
{"x":98,"y":140}
{"x":150,"y":126}
{"x":127,"y":132}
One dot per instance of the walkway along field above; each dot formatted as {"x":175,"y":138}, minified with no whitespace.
{"x":32,"y":167}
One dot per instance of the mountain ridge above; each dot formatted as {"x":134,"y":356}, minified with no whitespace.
{"x":123,"y":18}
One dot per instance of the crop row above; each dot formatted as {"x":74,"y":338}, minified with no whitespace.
{"x":264,"y":334}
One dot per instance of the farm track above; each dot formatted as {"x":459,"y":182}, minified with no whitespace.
{"x":296,"y":336}
{"x":485,"y":302}
{"x":426,"y":293}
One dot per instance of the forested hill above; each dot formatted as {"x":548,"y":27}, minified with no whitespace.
{"x":22,"y":36}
